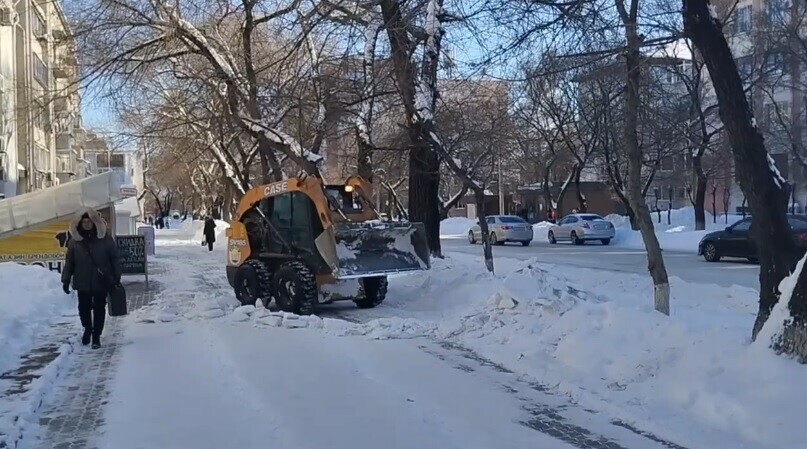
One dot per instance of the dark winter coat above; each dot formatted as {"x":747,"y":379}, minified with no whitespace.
{"x":91,"y":262}
{"x":209,"y":230}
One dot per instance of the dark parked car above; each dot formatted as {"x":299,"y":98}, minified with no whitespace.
{"x":736,"y":241}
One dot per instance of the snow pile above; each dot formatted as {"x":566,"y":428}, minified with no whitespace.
{"x":540,"y":231}
{"x":456,"y":226}
{"x":679,"y":235}
{"x":610,"y":350}
{"x":773,"y":331}
{"x":31,"y":298}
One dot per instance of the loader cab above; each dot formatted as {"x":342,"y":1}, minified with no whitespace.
{"x":293,"y":215}
{"x":349,"y":201}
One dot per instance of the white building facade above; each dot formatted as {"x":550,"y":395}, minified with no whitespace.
{"x":40,"y":123}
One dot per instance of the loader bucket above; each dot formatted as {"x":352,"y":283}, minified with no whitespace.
{"x":355,"y":250}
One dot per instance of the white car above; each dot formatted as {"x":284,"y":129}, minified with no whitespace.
{"x":577,"y":228}
{"x":502,"y":229}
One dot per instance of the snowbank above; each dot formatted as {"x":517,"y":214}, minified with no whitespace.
{"x":679,"y":235}
{"x":30,"y":299}
{"x":598,"y":339}
{"x":540,"y":231}
{"x":456,"y":227}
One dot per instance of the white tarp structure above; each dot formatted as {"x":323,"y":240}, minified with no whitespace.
{"x":126,"y":214}
{"x":130,"y":205}
{"x":41,"y":206}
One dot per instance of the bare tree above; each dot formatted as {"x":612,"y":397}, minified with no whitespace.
{"x":629,"y":17}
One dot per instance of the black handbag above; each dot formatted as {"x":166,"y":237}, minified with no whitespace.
{"x":116,"y":300}
{"x":116,"y":294}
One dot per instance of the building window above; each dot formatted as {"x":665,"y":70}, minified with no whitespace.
{"x":40,"y":27}
{"x":743,"y":19}
{"x":40,"y":118}
{"x":777,"y":118}
{"x":777,"y":63}
{"x":41,"y":72}
{"x":778,"y":11}
{"x":745,"y":65}
{"x":43,"y":158}
{"x":682,"y":193}
{"x":667,"y":163}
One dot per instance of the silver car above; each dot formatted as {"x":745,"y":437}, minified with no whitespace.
{"x":577,"y":228}
{"x":502,"y":229}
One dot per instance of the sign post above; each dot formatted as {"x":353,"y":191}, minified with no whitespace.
{"x":148,"y":233}
{"x":133,"y":255}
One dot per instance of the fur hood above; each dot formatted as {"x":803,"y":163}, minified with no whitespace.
{"x":95,"y":216}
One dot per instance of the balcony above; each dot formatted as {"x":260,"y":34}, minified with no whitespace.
{"x":64,"y":143}
{"x":59,"y":35}
{"x":62,"y":72}
{"x":61,"y":104}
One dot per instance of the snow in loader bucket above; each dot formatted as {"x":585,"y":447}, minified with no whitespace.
{"x":355,"y":250}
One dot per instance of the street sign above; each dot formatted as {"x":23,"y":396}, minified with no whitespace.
{"x":148,"y":233}
{"x":128,"y":192}
{"x":132,"y":255}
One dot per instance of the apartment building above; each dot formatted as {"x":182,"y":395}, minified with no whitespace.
{"x":40,"y":123}
{"x":665,"y":115}
{"x":766,"y":38}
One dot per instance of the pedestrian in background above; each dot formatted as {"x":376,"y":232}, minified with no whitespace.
{"x":92,"y":266}
{"x":210,"y":232}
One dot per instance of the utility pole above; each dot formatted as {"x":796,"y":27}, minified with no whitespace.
{"x":501,"y":187}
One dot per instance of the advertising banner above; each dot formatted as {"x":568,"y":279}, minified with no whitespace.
{"x":44,"y":245}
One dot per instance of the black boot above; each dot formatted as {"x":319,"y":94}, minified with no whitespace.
{"x":85,"y":339}
{"x":96,"y":341}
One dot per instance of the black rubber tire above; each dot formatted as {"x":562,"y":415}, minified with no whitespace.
{"x":494,"y":241}
{"x":606,"y":242}
{"x":253,"y":282}
{"x":575,"y":240}
{"x":471,"y":238}
{"x":295,"y":288}
{"x":526,"y":243}
{"x":711,"y":255}
{"x":373,"y":292}
{"x":551,"y":238}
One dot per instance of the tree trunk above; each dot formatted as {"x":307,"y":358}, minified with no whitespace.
{"x":547,"y":193}
{"x":582,"y":206}
{"x":700,"y":194}
{"x":634,"y":225}
{"x":655,"y":260}
{"x":479,"y":197}
{"x":761,"y":184}
{"x":424,"y":164}
{"x":424,"y":204}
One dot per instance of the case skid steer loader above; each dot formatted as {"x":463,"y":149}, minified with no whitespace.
{"x":304,"y":243}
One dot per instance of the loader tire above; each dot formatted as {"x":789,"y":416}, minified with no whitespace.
{"x":253,"y":282}
{"x":295,"y":288}
{"x":373,"y":292}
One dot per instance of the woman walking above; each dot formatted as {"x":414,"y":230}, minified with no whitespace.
{"x":210,"y":232}
{"x":92,"y":265}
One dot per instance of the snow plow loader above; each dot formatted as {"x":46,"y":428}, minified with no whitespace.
{"x":304,"y":243}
